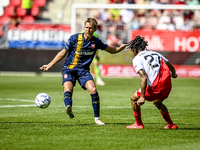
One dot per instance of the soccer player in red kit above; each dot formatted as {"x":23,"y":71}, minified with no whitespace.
{"x":155,"y":73}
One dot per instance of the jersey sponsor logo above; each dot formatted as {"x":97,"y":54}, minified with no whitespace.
{"x":78,"y":50}
{"x":84,"y":53}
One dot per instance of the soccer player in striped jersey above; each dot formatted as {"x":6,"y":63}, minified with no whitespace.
{"x":155,"y":73}
{"x":80,"y":50}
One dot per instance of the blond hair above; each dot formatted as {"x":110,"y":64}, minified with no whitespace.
{"x":92,"y":21}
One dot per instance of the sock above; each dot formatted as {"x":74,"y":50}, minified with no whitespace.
{"x":138,"y":118}
{"x":167,"y":118}
{"x":96,"y":118}
{"x":68,"y":98}
{"x":97,"y":72}
{"x":95,"y":104}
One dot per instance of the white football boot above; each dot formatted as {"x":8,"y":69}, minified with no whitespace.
{"x":98,"y":121}
{"x":100,"y":82}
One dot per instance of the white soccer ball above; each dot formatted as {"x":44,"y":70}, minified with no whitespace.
{"x":42,"y":100}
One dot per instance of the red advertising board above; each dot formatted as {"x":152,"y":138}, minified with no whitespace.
{"x":177,"y":41}
{"x":129,"y":71}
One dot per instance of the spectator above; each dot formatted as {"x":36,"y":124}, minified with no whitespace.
{"x":131,"y":1}
{"x":192,"y":2}
{"x":113,"y":39}
{"x":188,"y":16}
{"x":165,"y":2}
{"x":166,"y":21}
{"x":14,"y":19}
{"x":197,"y":19}
{"x":178,"y":2}
{"x":152,"y":20}
{"x":115,"y":13}
{"x":127,"y":15}
{"x":116,"y":1}
{"x":135,"y":24}
{"x":155,"y":3}
{"x":27,"y":4}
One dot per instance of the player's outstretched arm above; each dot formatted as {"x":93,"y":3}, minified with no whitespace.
{"x":114,"y":50}
{"x":172,"y":69}
{"x":56,"y":59}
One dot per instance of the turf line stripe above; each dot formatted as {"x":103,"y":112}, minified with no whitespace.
{"x":13,"y":99}
{"x":114,"y":107}
{"x":26,"y":100}
{"x":9,"y":106}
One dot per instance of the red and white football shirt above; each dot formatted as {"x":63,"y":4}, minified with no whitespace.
{"x":159,"y":76}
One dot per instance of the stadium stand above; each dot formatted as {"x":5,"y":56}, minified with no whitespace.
{"x":35,"y":11}
{"x":28,"y":19}
{"x":54,"y":7}
{"x":21,"y":12}
{"x":39,"y":3}
{"x":9,"y":10}
{"x":15,"y":3}
{"x":8,"y":7}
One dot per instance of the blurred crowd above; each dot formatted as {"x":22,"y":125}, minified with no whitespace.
{"x":118,"y":21}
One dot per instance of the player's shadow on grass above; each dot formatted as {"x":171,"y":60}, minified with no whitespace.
{"x":2,"y":124}
{"x":147,"y":125}
{"x":159,"y":126}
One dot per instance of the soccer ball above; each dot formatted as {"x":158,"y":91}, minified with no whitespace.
{"x":42,"y":100}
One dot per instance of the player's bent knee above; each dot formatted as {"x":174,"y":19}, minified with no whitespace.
{"x":93,"y":90}
{"x":134,"y":97}
{"x":157,"y":103}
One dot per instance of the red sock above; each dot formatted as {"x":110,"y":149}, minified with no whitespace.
{"x":138,"y":118}
{"x":167,"y":118}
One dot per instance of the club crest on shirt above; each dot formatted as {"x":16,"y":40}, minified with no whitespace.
{"x":65,"y":76}
{"x":93,"y":46}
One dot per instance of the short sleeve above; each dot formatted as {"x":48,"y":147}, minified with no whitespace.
{"x":137,"y":64}
{"x":101,"y":45}
{"x":165,"y":59}
{"x":67,"y":46}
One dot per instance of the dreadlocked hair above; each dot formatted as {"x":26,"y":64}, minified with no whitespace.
{"x":138,"y":44}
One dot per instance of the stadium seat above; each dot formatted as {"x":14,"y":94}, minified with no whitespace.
{"x":35,"y":10}
{"x":4,"y":3}
{"x":21,"y":12}
{"x":9,"y":10}
{"x":15,"y":3}
{"x":39,"y":3}
{"x":28,"y":19}
{"x":4,"y":19}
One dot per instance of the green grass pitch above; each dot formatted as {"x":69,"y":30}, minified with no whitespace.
{"x":23,"y":126}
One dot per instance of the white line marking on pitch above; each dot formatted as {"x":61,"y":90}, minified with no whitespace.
{"x":13,"y":99}
{"x":8,"y":106}
{"x":26,"y":100}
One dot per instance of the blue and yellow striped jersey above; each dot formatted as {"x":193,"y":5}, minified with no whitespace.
{"x":81,"y":52}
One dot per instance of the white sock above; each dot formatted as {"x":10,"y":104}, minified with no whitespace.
{"x":96,"y":118}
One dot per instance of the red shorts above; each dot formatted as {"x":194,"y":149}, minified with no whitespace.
{"x":161,"y":86}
